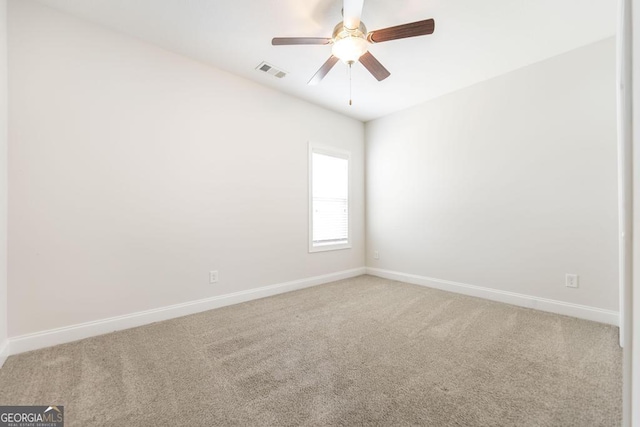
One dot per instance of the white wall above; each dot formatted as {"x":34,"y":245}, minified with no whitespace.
{"x":508,"y":184}
{"x":625,"y":201}
{"x":3,"y":180}
{"x":632,"y":349}
{"x":135,"y":171}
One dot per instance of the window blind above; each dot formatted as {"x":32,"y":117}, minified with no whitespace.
{"x":330,"y":199}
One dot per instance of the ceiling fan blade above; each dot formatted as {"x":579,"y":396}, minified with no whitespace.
{"x":420,"y":28}
{"x":374,"y":66}
{"x":323,"y":71}
{"x":352,"y":11}
{"x":281,"y":41}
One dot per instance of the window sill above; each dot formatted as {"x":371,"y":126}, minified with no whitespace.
{"x":326,"y":248}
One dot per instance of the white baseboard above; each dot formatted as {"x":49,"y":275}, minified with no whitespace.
{"x":77,"y":332}
{"x":544,"y":304}
{"x":4,"y":352}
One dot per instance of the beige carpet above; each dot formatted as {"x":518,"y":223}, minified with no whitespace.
{"x":360,"y":351}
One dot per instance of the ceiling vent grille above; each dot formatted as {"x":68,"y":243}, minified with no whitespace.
{"x":270,"y":69}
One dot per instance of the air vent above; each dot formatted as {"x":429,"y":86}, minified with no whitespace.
{"x":270,"y":69}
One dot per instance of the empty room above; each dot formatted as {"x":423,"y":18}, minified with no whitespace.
{"x":330,"y":212}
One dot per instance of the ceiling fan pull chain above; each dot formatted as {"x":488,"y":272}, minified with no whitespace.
{"x":350,"y":96}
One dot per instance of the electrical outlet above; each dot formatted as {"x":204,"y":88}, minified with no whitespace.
{"x":376,"y":255}
{"x":571,"y":281}
{"x":213,"y":277}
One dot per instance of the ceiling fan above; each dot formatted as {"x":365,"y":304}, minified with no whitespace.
{"x":350,"y":41}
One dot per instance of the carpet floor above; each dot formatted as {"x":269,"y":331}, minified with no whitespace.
{"x":362,"y":351}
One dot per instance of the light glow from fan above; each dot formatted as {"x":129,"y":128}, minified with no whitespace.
{"x":349,"y":49}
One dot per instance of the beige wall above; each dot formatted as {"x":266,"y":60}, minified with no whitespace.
{"x":135,"y":171}
{"x":508,"y":184}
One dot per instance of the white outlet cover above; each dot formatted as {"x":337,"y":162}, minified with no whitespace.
{"x":571,"y":281}
{"x":213,"y":276}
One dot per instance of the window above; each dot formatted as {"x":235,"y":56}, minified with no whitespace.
{"x":328,"y":199}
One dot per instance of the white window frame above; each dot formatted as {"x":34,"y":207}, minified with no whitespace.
{"x":343,"y":154}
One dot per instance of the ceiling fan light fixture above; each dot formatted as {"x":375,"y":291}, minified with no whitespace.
{"x":349,"y":49}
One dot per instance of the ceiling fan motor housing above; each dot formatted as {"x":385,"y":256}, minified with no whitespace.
{"x":349,"y":44}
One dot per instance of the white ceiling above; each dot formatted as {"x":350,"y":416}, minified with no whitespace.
{"x":473,"y":41}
